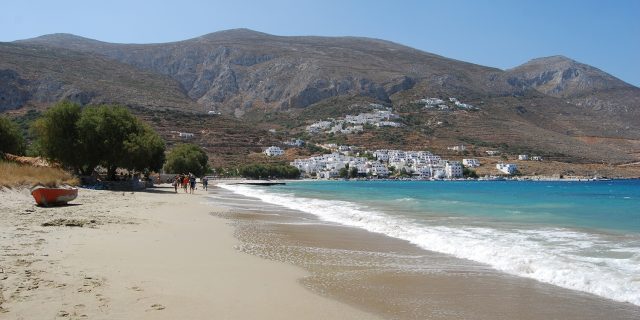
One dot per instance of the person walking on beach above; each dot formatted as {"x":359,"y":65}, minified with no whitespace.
{"x":185,"y":183}
{"x":176,"y":182}
{"x":192,"y":183}
{"x":205,"y":183}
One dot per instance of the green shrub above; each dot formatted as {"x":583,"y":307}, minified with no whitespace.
{"x":11,"y":139}
{"x":187,"y":158}
{"x":263,"y":171}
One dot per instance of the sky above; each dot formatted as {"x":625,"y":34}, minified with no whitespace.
{"x":496,"y":33}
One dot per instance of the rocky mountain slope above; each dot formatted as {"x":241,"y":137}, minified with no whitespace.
{"x":579,"y":84}
{"x":553,"y":105}
{"x":38,"y":75}
{"x":243,"y":69}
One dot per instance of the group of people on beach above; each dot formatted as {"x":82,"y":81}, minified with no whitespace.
{"x":188,"y":183}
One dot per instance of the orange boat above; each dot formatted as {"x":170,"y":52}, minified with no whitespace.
{"x":53,"y":196}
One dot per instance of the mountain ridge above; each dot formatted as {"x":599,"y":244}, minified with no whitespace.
{"x":242,"y":72}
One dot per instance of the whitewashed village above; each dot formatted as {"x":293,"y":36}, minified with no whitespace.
{"x":382,"y":164}
{"x":380,"y":117}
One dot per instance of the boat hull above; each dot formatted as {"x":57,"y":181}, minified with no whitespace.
{"x":53,"y":196}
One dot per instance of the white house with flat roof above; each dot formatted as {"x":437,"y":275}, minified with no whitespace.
{"x":376,"y":168}
{"x":523,"y":157}
{"x":295,"y":143}
{"x":185,"y":135}
{"x":472,"y":163}
{"x":273,"y":151}
{"x":508,"y":168}
{"x":453,"y":169}
{"x":457,"y":148}
{"x":423,"y":172}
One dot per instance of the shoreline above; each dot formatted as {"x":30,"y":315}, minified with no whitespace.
{"x":143,"y":255}
{"x":337,"y":255}
{"x":213,"y":182}
{"x":160,"y":255}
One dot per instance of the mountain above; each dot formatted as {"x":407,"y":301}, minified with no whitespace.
{"x":580,"y":84}
{"x":39,"y":75}
{"x":240,"y":69}
{"x":562,"y":77}
{"x":553,"y":106}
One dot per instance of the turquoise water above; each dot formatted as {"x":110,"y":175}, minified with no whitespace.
{"x":579,"y":235}
{"x":606,"y":205}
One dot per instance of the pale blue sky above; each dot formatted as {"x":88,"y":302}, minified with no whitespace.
{"x":497,"y":33}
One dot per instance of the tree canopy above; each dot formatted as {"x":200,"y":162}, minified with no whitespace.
{"x":110,"y":136}
{"x":11,"y":140}
{"x":187,"y":158}
{"x":57,"y":135}
{"x":263,"y":171}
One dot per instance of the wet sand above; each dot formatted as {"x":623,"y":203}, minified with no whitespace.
{"x":397,"y":280}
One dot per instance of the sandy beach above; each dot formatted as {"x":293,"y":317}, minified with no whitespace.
{"x":144,"y":255}
{"x":218,"y":255}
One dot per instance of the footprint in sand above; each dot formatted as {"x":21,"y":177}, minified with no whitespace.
{"x":157,"y":306}
{"x":62,"y":314}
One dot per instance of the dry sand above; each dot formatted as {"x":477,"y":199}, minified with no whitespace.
{"x":145,"y":255}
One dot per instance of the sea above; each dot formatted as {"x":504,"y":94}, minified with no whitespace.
{"x":578,"y":235}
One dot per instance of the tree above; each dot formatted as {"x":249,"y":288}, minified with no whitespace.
{"x":11,"y":140}
{"x":353,"y":172}
{"x":114,"y":138}
{"x":103,"y":131}
{"x":343,"y":173}
{"x":144,"y":151}
{"x":107,"y":135}
{"x":259,"y":171}
{"x":404,"y":173}
{"x":469,"y":173}
{"x":185,"y":158}
{"x":57,"y":135}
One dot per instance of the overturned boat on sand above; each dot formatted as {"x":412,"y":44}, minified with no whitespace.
{"x":46,"y":197}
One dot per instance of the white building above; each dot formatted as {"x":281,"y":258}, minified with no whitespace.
{"x":453,"y":169}
{"x":471,"y":163}
{"x":377,"y":169}
{"x":423,"y":172}
{"x":437,"y":173}
{"x":492,"y":152}
{"x":273,"y":151}
{"x":508,"y":168}
{"x":388,"y":124}
{"x":431,"y":102}
{"x":457,"y":148}
{"x":381,"y":155}
{"x":328,"y":174}
{"x":523,"y":157}
{"x":319,"y":126}
{"x":536,"y":158}
{"x":295,"y":143}
{"x":185,"y":135}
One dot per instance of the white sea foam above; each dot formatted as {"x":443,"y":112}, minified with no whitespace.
{"x":553,"y":255}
